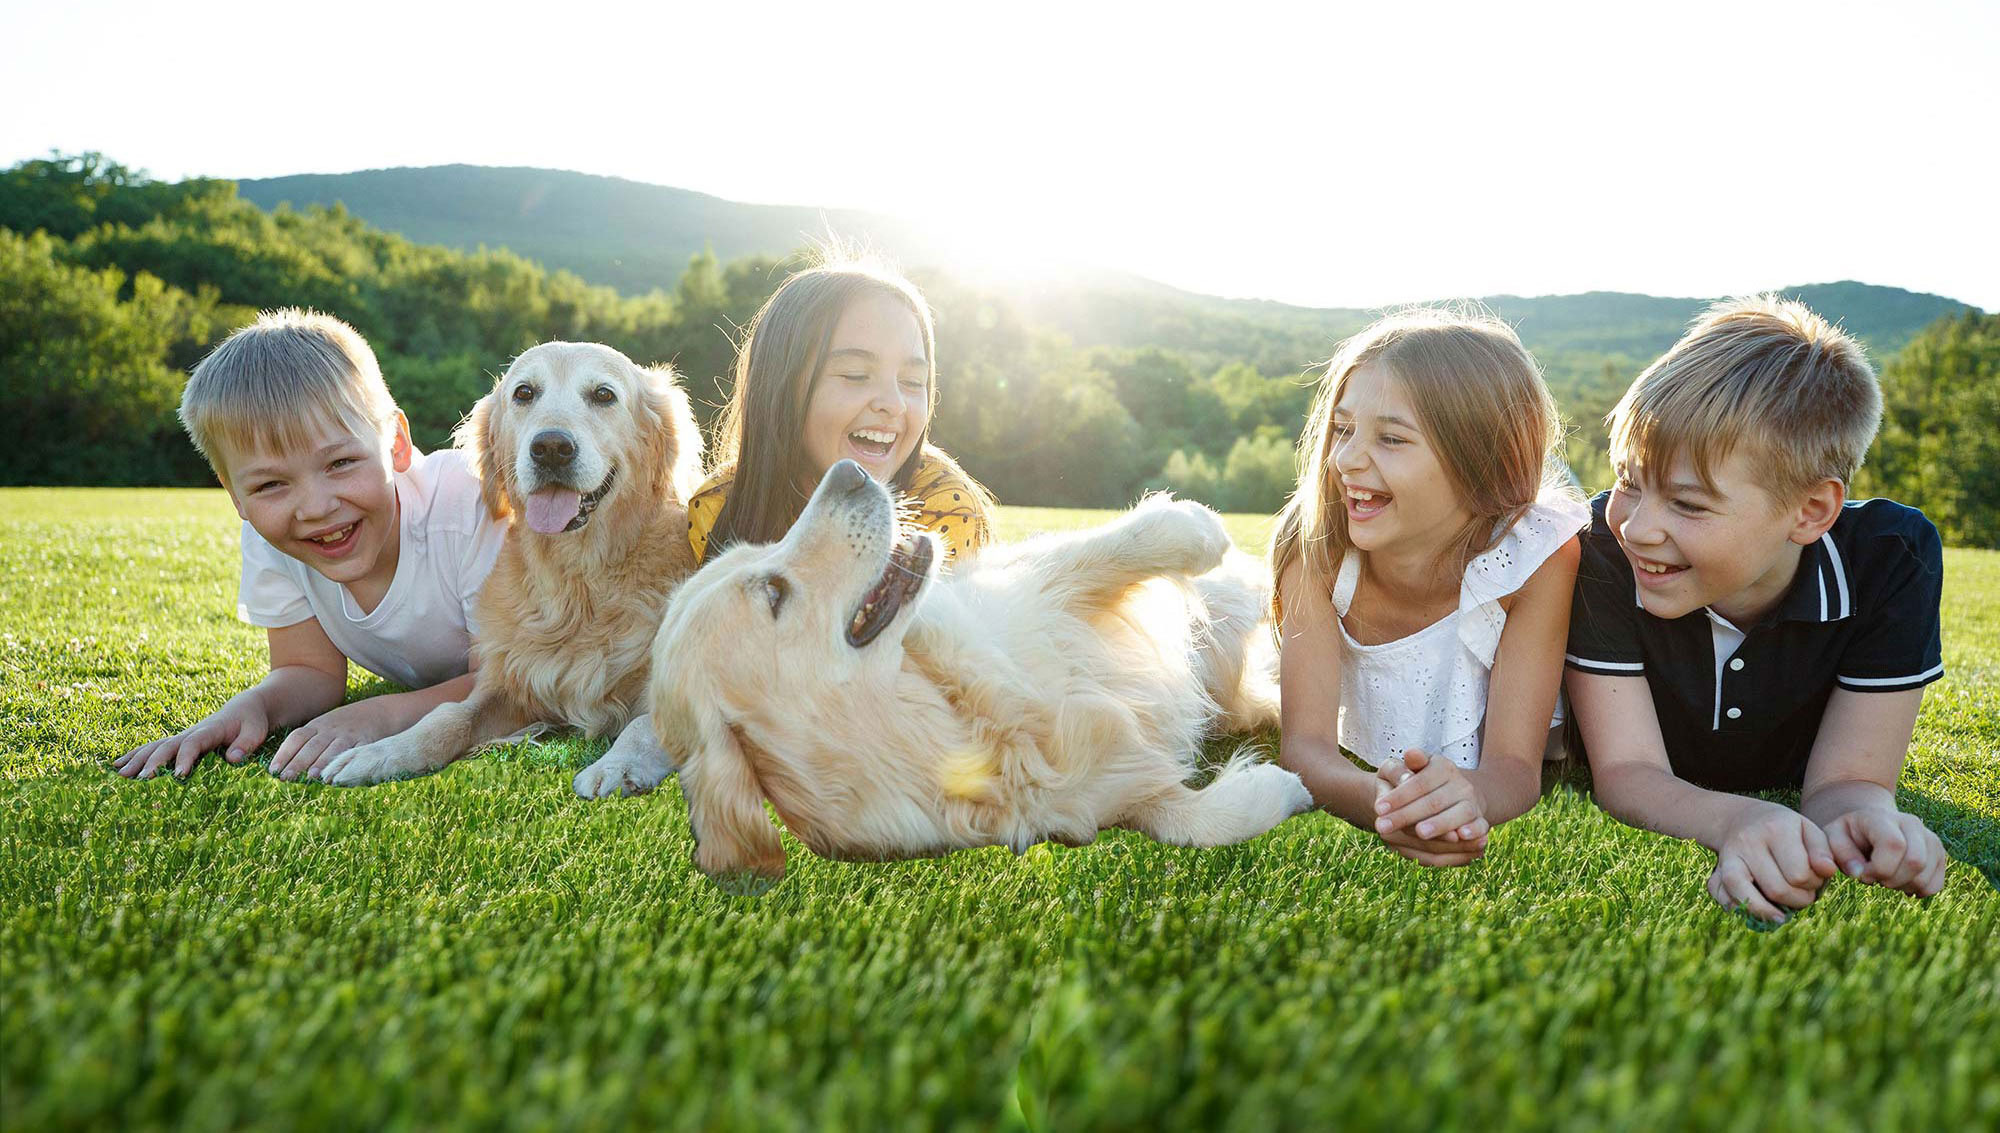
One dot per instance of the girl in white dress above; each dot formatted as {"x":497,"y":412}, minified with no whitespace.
{"x":1423,"y":570}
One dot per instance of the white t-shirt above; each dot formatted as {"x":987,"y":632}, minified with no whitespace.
{"x":421,"y":632}
{"x":1428,"y":690}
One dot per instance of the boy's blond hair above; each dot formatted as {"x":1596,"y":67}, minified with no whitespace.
{"x":273,"y":383}
{"x":1762,"y":372}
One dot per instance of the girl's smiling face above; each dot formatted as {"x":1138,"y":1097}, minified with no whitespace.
{"x":1393,"y":487}
{"x":871,"y":398}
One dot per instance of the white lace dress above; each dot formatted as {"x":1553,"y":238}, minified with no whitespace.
{"x":1428,"y":690}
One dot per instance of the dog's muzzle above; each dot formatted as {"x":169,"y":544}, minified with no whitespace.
{"x":909,"y":567}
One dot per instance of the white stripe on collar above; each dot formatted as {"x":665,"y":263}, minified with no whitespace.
{"x":1839,"y":577}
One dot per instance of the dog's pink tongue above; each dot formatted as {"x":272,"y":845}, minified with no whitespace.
{"x":551,"y":509}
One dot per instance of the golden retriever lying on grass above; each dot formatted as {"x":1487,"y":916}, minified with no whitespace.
{"x":592,"y":460}
{"x":1042,"y":691}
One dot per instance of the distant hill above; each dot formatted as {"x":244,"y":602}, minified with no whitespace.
{"x":636,"y":237}
{"x":632,"y":236}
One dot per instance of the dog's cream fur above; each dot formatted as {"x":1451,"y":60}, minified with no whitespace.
{"x":1042,"y":691}
{"x":566,"y":620}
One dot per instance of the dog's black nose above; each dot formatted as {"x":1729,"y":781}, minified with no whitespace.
{"x":844,"y":476}
{"x":552,"y":448}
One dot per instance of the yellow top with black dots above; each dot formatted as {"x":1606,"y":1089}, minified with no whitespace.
{"x":943,"y":498}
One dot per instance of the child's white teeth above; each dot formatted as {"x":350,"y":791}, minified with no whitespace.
{"x":874,"y":436}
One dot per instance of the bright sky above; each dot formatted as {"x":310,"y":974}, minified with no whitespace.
{"x":1400,"y":152}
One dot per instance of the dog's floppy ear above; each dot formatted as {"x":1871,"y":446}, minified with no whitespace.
{"x":675,"y":439}
{"x":734,"y":841}
{"x":475,"y":436}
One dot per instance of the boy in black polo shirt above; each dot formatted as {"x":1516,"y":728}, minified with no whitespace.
{"x":1740,"y":626}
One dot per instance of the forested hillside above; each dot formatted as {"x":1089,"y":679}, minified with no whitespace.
{"x":1078,"y":392}
{"x":631,"y":236}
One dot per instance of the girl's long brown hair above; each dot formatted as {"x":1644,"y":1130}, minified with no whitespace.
{"x":1484,"y":408}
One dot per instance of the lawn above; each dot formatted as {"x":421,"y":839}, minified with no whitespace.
{"x":482,"y":949}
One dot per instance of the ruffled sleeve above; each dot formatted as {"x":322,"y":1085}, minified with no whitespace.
{"x":1507,"y":566}
{"x":702,"y":512}
{"x":948,"y":507}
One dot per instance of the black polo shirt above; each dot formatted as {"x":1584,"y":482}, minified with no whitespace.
{"x":1740,"y":707}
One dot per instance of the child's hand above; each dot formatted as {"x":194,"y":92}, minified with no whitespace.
{"x":239,"y":725}
{"x":1429,"y":798}
{"x":1778,"y":858}
{"x":312,"y":745}
{"x":1433,"y":852}
{"x":1890,"y":849}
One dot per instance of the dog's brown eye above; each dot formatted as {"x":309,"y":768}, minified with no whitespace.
{"x":523,"y":394}
{"x":776,"y":590}
{"x":604,"y":395}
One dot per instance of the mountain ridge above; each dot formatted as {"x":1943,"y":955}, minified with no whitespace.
{"x":635,"y":236}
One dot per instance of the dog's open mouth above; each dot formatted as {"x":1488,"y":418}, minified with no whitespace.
{"x":909,"y":565}
{"x":558,"y":508}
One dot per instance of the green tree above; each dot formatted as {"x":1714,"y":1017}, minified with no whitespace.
{"x":1260,"y":472}
{"x":1193,"y":476}
{"x":1253,"y":399}
{"x":84,"y":379}
{"x":1939,"y":449}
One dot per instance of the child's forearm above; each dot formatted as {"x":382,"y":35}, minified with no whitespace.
{"x":1337,"y":786}
{"x":1507,"y":789}
{"x":292,"y":694}
{"x":1828,"y":801}
{"x":1658,"y":800}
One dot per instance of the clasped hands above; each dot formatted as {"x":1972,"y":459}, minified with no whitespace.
{"x":1778,"y":860}
{"x":1428,"y":810}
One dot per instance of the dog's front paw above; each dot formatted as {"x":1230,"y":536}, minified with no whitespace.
{"x":378,"y":762}
{"x":615,"y":775}
{"x":1187,"y":537}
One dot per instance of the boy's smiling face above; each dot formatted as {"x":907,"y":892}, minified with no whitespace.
{"x":331,"y":504}
{"x":1733,"y":549}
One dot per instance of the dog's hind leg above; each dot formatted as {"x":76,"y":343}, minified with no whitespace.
{"x":1245,"y":800}
{"x":635,"y":764}
{"x":1159,"y":537}
{"x":1235,"y":652}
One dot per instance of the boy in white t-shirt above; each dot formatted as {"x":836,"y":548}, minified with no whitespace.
{"x":355,"y":545}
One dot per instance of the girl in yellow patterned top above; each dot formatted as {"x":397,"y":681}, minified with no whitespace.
{"x":840,"y":364}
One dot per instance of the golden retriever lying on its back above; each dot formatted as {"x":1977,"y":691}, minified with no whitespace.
{"x":1042,"y":691}
{"x":592,"y":460}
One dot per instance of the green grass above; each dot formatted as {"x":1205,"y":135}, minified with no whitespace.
{"x":481,"y":948}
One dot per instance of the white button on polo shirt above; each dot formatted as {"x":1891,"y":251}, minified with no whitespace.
{"x":1735,"y":713}
{"x":1736,"y":663}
